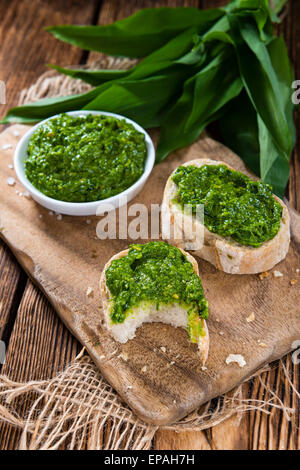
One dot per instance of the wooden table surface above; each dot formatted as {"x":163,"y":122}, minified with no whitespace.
{"x":38,"y":344}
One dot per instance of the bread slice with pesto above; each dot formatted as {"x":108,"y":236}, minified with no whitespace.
{"x":154,"y":282}
{"x":247,"y":205}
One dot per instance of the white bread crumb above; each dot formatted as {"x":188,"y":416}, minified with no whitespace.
{"x":277,"y":273}
{"x":250,"y":318}
{"x":89,"y":291}
{"x":163,"y":349}
{"x":144,"y":369}
{"x":236,"y":358}
{"x":123,"y":356}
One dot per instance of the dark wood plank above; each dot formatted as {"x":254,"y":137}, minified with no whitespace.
{"x":39,"y":347}
{"x":12,"y":283}
{"x":25,"y":50}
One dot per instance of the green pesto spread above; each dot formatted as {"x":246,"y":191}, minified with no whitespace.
{"x":234,"y":205}
{"x":157,"y":273}
{"x":85,"y":158}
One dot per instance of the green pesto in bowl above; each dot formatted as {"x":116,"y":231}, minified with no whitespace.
{"x":234,"y":205}
{"x":85,"y":158}
{"x":160,"y":274}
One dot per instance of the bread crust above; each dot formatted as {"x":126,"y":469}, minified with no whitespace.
{"x":203,"y":342}
{"x":226,"y":255}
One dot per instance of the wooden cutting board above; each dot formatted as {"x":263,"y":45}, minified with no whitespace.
{"x":65,"y":257}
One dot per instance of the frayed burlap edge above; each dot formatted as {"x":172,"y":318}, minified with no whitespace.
{"x":78,"y":409}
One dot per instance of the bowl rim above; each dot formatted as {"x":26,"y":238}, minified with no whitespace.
{"x":20,"y":156}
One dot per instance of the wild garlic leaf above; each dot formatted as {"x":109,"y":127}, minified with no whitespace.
{"x":93,"y":77}
{"x":261,"y":82}
{"x":203,"y":96}
{"x":139,"y":34}
{"x":239,"y":131}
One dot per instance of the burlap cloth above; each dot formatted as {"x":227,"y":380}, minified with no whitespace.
{"x":78,"y":409}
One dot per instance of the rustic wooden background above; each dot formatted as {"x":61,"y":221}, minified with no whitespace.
{"x":38,"y":344}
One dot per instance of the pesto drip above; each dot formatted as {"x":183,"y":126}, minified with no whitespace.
{"x":234,"y":205}
{"x":160,"y":274}
{"x":85,"y":158}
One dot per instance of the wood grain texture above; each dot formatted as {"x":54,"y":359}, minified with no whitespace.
{"x":64,"y":258}
{"x":17,"y":79}
{"x":39,"y":347}
{"x":25,"y":50}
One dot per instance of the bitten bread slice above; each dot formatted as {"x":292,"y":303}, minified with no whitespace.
{"x":225,"y":254}
{"x":172,"y":314}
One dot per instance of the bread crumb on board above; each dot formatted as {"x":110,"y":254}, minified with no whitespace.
{"x":163,"y":349}
{"x":123,"y":356}
{"x":89,"y":291}
{"x":251,"y":317}
{"x":144,"y":369}
{"x":238,"y":358}
{"x":277,"y":273}
{"x":293,"y":281}
{"x":263,"y":275}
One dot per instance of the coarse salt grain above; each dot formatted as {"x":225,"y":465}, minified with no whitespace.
{"x":6,"y":147}
{"x":11,"y":181}
{"x":144,"y":369}
{"x":236,"y":358}
{"x":203,"y":368}
{"x":163,"y":349}
{"x":59,"y":216}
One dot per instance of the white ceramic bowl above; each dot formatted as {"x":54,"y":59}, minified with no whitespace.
{"x":82,"y":208}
